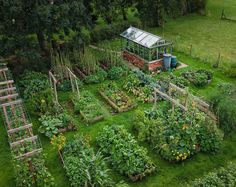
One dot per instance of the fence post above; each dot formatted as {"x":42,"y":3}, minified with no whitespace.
{"x":218,"y":60}
{"x":191,"y":50}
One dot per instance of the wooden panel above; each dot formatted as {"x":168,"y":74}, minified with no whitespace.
{"x":29,"y":154}
{"x":20,"y":128}
{"x":3,"y":69}
{"x":9,"y":96}
{"x":33,"y":138}
{"x":6,"y":82}
{"x":12,"y":103}
{"x":8,"y":90}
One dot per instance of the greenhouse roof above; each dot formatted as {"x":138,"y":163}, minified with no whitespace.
{"x":143,"y":38}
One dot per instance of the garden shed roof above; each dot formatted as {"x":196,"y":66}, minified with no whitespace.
{"x":142,"y":37}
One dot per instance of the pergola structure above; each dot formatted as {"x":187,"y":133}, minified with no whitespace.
{"x":143,"y":49}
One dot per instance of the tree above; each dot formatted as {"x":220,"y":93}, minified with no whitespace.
{"x":122,"y":5}
{"x":43,"y":18}
{"x":151,"y":12}
{"x":106,"y":9}
{"x":109,"y":10}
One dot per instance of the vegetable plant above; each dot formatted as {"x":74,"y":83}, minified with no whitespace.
{"x":124,"y":153}
{"x":199,"y":78}
{"x":114,"y":94}
{"x":88,"y":106}
{"x":83,"y":166}
{"x":177,"y":135}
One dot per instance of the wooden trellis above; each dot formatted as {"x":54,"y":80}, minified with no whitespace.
{"x":188,"y":99}
{"x":16,"y":120}
{"x":73,"y":80}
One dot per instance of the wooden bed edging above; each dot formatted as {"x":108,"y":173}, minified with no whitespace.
{"x":91,"y":121}
{"x":114,"y":106}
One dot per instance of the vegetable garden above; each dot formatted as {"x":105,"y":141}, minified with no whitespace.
{"x":111,"y":130}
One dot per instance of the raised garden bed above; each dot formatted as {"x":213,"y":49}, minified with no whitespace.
{"x":117,"y":99}
{"x":124,"y":154}
{"x":142,"y":91}
{"x":82,"y":165}
{"x":199,"y":78}
{"x":88,"y":107}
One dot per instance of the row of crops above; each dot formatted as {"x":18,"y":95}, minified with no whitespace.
{"x":172,"y":133}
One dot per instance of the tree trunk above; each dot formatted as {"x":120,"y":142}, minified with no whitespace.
{"x":124,"y":14}
{"x":41,"y":41}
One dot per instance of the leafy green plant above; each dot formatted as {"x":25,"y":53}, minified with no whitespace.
{"x":133,"y":85}
{"x":87,"y":105}
{"x":64,"y":86}
{"x":111,"y":91}
{"x":115,"y":73}
{"x":43,"y":101}
{"x":124,"y":153}
{"x":50,"y":125}
{"x":199,"y":78}
{"x":225,"y":176}
{"x":177,"y":135}
{"x":32,"y":83}
{"x":97,"y":77}
{"x":38,"y":175}
{"x":224,"y":105}
{"x":83,"y":166}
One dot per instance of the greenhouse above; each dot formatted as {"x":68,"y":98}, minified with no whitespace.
{"x":144,"y":49}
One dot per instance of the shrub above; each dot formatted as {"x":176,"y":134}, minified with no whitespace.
{"x":225,"y":176}
{"x":224,"y":105}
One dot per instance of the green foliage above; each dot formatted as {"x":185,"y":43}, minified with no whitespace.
{"x":32,"y":82}
{"x":51,"y":124}
{"x":176,"y":135}
{"x":107,"y":32}
{"x":142,"y":91}
{"x":118,"y":97}
{"x":45,"y":19}
{"x":64,"y":86}
{"x":199,"y":78}
{"x":179,"y":81}
{"x":224,"y":105}
{"x":97,"y":77}
{"x":152,"y":12}
{"x":83,"y":166}
{"x":38,"y":176}
{"x":86,"y":60}
{"x":43,"y":101}
{"x":115,"y":73}
{"x":225,"y":176}
{"x":124,"y":153}
{"x":88,"y":105}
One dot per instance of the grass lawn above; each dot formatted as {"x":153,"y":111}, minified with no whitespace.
{"x":168,"y":174}
{"x":208,"y":35}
